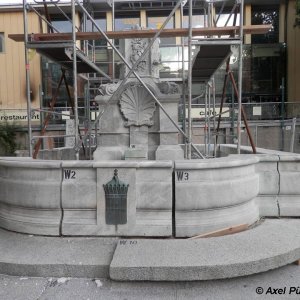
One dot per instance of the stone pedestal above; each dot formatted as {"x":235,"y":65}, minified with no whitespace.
{"x":133,"y":126}
{"x":70,"y":130}
{"x":134,"y":153}
{"x":168,"y":135}
{"x":138,"y":149}
{"x":108,"y":153}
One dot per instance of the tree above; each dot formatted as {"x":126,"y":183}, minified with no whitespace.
{"x":8,"y":144}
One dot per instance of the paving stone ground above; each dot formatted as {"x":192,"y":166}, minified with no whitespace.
{"x":25,"y":288}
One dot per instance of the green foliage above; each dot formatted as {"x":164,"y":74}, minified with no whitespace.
{"x":8,"y":134}
{"x":297,"y":20}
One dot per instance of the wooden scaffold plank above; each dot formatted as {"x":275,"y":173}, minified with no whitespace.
{"x":148,"y":33}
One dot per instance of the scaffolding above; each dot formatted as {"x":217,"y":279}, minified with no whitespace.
{"x":208,"y":48}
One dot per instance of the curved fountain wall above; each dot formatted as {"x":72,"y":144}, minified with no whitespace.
{"x":214,"y":194}
{"x":67,"y":197}
{"x":188,"y":197}
{"x":30,"y":195}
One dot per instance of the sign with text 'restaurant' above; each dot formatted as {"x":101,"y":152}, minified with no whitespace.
{"x":17,"y":116}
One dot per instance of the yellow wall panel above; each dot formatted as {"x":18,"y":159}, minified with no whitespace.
{"x":247,"y":21}
{"x":12,"y":63}
{"x":3,"y":89}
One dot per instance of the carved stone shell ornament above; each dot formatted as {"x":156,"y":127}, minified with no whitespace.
{"x":108,"y":88}
{"x":137,"y":106}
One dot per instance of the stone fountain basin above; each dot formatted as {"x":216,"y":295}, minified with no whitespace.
{"x":165,"y":198}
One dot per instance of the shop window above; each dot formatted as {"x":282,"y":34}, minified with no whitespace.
{"x":1,"y":42}
{"x":267,"y":68}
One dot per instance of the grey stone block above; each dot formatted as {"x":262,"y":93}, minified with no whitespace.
{"x":139,"y":135}
{"x":289,"y":205}
{"x":149,"y":203}
{"x":169,"y":152}
{"x":136,"y":154}
{"x":268,"y":205}
{"x":169,"y":139}
{"x":268,"y":246}
{"x":114,"y":140}
{"x":194,"y":222}
{"x":24,"y":255}
{"x":289,"y":183}
{"x":78,"y":183}
{"x":45,"y":221}
{"x":70,"y":130}
{"x":108,"y":153}
{"x":268,"y":177}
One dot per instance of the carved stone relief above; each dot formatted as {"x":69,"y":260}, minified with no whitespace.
{"x":108,"y":89}
{"x":138,"y":45}
{"x":169,"y":87}
{"x":137,"y":106}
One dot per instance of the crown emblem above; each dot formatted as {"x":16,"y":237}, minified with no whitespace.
{"x":115,"y":201}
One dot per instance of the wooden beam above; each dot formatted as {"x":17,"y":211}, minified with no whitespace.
{"x":297,"y":262}
{"x":221,"y":232}
{"x":148,"y":33}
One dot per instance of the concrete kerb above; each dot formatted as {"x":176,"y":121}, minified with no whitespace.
{"x":271,"y":245}
{"x":40,"y":256}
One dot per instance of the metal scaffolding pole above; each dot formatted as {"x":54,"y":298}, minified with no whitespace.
{"x":131,"y":69}
{"x":44,"y":19}
{"x":183,"y":78}
{"x":75,"y":80}
{"x":208,"y":120}
{"x":239,"y":119}
{"x":214,"y":114}
{"x":205,"y":120}
{"x":27,"y":67}
{"x":243,"y":114}
{"x":150,"y":44}
{"x":190,"y":66}
{"x":47,"y":119}
{"x":113,"y":41}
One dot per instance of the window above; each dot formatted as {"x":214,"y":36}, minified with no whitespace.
{"x":125,"y":22}
{"x":1,"y":42}
{"x":59,"y":142}
{"x":156,"y":21}
{"x":198,"y":20}
{"x":267,"y":68}
{"x":266,"y":15}
{"x":62,"y":25}
{"x":101,"y":22}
